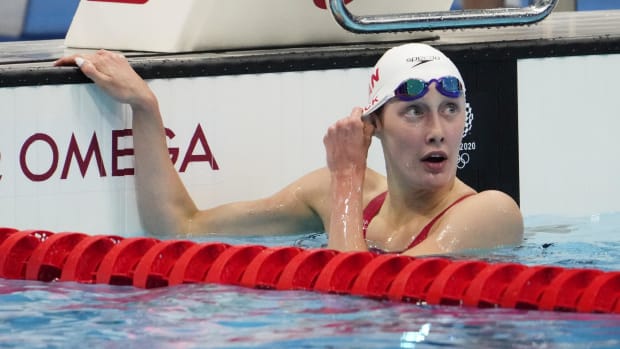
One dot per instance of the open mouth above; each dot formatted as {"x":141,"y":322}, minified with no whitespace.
{"x":434,"y":158}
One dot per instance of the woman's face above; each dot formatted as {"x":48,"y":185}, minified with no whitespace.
{"x":421,"y":138}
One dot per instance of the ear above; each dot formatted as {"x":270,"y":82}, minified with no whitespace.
{"x":377,"y":121}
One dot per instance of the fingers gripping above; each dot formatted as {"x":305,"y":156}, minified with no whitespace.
{"x":94,"y":66}
{"x":89,"y":69}
{"x":113,"y":74}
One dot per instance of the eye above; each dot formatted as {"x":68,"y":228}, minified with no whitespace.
{"x":450,"y":109}
{"x":413,"y":112}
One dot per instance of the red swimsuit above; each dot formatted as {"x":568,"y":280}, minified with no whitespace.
{"x":375,"y":205}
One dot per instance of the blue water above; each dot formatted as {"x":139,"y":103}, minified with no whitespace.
{"x":66,"y":315}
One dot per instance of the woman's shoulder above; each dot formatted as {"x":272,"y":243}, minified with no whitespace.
{"x":486,"y":219}
{"x":374,"y":182}
{"x":495,"y":197}
{"x":313,"y":189}
{"x":315,"y":184}
{"x":490,"y":204}
{"x":483,"y":198}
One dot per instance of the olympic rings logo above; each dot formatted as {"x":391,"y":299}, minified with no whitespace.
{"x":463,"y":160}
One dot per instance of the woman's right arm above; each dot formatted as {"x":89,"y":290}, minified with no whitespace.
{"x":346,"y":144}
{"x":164,"y":203}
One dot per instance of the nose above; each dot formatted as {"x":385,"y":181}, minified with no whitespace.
{"x":435,"y":134}
{"x":435,"y":131}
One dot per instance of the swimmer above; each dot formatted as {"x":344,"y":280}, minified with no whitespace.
{"x":416,"y":109}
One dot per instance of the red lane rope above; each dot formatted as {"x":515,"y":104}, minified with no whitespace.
{"x":147,"y":263}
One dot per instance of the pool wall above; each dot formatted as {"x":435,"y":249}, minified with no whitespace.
{"x":567,"y":134}
{"x":241,"y":124}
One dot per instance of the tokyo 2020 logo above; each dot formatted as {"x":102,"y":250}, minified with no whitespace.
{"x":466,"y":147}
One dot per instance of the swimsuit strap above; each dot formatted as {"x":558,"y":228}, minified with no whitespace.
{"x":427,"y":228}
{"x":375,"y":205}
{"x":372,"y":209}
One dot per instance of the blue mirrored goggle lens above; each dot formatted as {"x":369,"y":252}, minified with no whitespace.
{"x":450,"y":86}
{"x":411,"y":89}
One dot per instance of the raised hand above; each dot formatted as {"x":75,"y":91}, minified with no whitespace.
{"x":347,"y":142}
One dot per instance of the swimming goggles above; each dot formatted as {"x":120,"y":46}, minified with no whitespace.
{"x":449,"y":86}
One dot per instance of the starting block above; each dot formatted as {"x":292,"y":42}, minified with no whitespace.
{"x":209,"y":25}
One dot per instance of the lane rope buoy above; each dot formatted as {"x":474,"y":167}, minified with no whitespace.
{"x":146,"y":262}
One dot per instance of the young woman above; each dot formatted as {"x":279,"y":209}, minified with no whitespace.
{"x":416,"y":110}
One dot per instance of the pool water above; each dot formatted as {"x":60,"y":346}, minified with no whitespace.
{"x":65,"y":314}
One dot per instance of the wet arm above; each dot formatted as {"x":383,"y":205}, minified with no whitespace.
{"x":164,"y":204}
{"x":346,"y":144}
{"x":299,"y":207}
{"x":345,"y":223}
